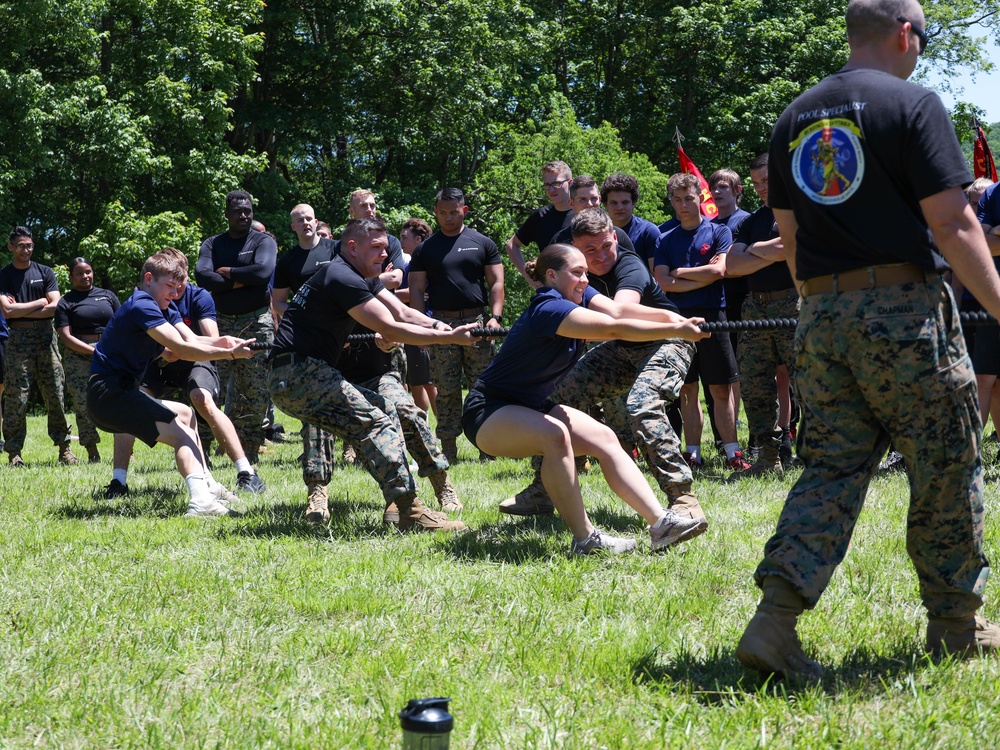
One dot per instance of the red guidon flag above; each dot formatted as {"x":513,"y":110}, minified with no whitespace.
{"x":708,"y":207}
{"x":982,"y":157}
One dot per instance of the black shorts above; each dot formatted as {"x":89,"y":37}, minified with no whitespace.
{"x":986,"y":351}
{"x":418,"y":365}
{"x":714,"y":361}
{"x":479,"y":407}
{"x":116,"y":404}
{"x":182,"y":377}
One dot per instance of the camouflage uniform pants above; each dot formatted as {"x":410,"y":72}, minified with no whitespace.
{"x":652,"y":375}
{"x":318,"y":394}
{"x":249,"y":394}
{"x":417,"y":433}
{"x":77,"y":368}
{"x":317,"y":454}
{"x":447,"y":364}
{"x":875,"y":365}
{"x":32,"y":356}
{"x":760,"y":354}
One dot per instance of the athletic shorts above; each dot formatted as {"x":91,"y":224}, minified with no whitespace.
{"x":986,"y":351}
{"x":182,"y":377}
{"x":479,"y":407}
{"x":116,"y":404}
{"x":418,"y":365}
{"x":714,"y":361}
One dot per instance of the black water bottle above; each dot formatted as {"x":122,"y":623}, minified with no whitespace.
{"x":426,"y":724}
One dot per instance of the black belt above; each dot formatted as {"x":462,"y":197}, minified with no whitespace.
{"x":256,"y":313}
{"x":773,"y":296}
{"x":470,"y":312}
{"x":39,"y":323}
{"x":286,"y":358}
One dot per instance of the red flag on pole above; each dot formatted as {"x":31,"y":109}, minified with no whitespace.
{"x":708,"y":207}
{"x":982,"y":157}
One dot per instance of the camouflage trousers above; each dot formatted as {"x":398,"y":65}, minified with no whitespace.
{"x":32,"y":356}
{"x":760,"y":354}
{"x":77,"y":369}
{"x":417,"y":433}
{"x":652,"y":375}
{"x":447,"y":363}
{"x":873,"y":366}
{"x":318,"y":394}
{"x":318,"y":450}
{"x":250,"y":398}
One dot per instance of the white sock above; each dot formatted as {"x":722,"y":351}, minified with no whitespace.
{"x":120,"y":475}
{"x":197,"y":487}
{"x":731,"y":449}
{"x":243,"y":464}
{"x":695,"y":451}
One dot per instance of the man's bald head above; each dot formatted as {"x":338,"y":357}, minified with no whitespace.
{"x":870,"y":22}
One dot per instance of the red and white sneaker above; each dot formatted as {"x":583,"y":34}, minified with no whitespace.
{"x":737,"y":462}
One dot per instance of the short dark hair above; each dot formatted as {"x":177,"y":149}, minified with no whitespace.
{"x":621,"y":183}
{"x":78,"y":261}
{"x":237,"y":195}
{"x":581,"y":182}
{"x":555,"y":256}
{"x":683,"y":181}
{"x":759,"y":161}
{"x":418,"y":227}
{"x":355,"y":229}
{"x":729,"y":177}
{"x":18,"y":231}
{"x":591,"y":223}
{"x":871,"y":21}
{"x":450,"y":194}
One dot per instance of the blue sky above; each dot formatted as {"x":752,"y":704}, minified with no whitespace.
{"x":984,"y":92}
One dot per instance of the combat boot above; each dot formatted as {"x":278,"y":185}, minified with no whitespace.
{"x":92,"y":453}
{"x":770,"y":644}
{"x":962,"y":636}
{"x":445,"y":492}
{"x":768,"y":462}
{"x":417,"y":517}
{"x":66,"y":455}
{"x":683,"y":501}
{"x":533,"y":500}
{"x":449,"y":447}
{"x":318,"y":510}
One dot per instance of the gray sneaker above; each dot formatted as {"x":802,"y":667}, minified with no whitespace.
{"x":675,"y":529}
{"x":599,"y":541}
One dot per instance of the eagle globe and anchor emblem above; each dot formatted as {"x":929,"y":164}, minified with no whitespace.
{"x":828,"y":164}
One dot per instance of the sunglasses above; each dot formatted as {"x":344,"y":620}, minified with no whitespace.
{"x":921,"y":34}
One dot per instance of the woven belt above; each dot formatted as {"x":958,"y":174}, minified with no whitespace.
{"x":286,"y":358}
{"x":41,"y":323}
{"x":469,"y":313}
{"x":255,"y":313}
{"x":774,"y":296}
{"x":867,"y":278}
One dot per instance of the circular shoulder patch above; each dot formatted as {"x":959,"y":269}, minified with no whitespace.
{"x":828,"y":164}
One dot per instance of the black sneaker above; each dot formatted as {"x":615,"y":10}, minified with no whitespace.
{"x":893,"y":462}
{"x":115,"y":489}
{"x":250,"y":482}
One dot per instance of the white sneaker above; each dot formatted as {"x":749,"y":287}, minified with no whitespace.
{"x":599,"y":541}
{"x":675,"y":529}
{"x":224,"y":496}
{"x":206,"y":507}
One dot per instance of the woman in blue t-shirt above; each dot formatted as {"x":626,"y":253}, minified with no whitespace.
{"x":507,"y":412}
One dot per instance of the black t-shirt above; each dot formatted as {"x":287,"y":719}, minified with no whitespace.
{"x":252,"y":259}
{"x":317,"y":322}
{"x":363,"y":360}
{"x":86,"y":313}
{"x":542,"y":225}
{"x":853,"y":157}
{"x":761,"y":227}
{"x":298,"y":265}
{"x":565,"y":237}
{"x":455,"y":268}
{"x":29,"y":284}
{"x":631,"y":272}
{"x":393,"y":254}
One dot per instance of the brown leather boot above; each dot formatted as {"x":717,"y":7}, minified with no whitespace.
{"x":417,"y":517}
{"x":683,"y":501}
{"x":318,"y":510}
{"x":768,"y":462}
{"x":533,"y":500}
{"x":962,"y":636}
{"x":770,"y":644}
{"x":445,"y":492}
{"x":66,"y":455}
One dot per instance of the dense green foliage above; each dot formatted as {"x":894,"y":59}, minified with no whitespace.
{"x":119,"y":113}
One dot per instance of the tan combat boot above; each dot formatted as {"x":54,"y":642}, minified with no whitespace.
{"x":770,"y":644}
{"x":962,"y":636}
{"x":318,"y":510}
{"x":533,"y":500}
{"x":66,"y":455}
{"x":683,"y":502}
{"x":417,"y":517}
{"x":445,"y":492}
{"x":768,"y":462}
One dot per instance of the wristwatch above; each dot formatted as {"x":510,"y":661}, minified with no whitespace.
{"x":497,"y":318}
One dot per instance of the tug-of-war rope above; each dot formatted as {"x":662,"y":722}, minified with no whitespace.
{"x":726,"y":326}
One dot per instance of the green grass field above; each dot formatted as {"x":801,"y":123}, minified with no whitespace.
{"x":125,"y":625}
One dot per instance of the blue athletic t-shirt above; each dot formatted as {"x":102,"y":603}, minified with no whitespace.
{"x":684,"y":248}
{"x":533,"y":358}
{"x":644,"y":235}
{"x":196,"y":304}
{"x":125,"y":347}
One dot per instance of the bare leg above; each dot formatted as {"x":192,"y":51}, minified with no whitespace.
{"x":783,"y":381}
{"x":222,"y":426}
{"x":985,"y":384}
{"x":691,"y":414}
{"x":725,"y":412}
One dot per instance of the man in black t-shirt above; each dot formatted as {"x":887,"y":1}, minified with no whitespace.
{"x":544,"y":223}
{"x":28,"y":298}
{"x":236,"y":267}
{"x":462,"y":273}
{"x":303,"y":373}
{"x":362,"y":205}
{"x":865,"y":179}
{"x":766,"y":357}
